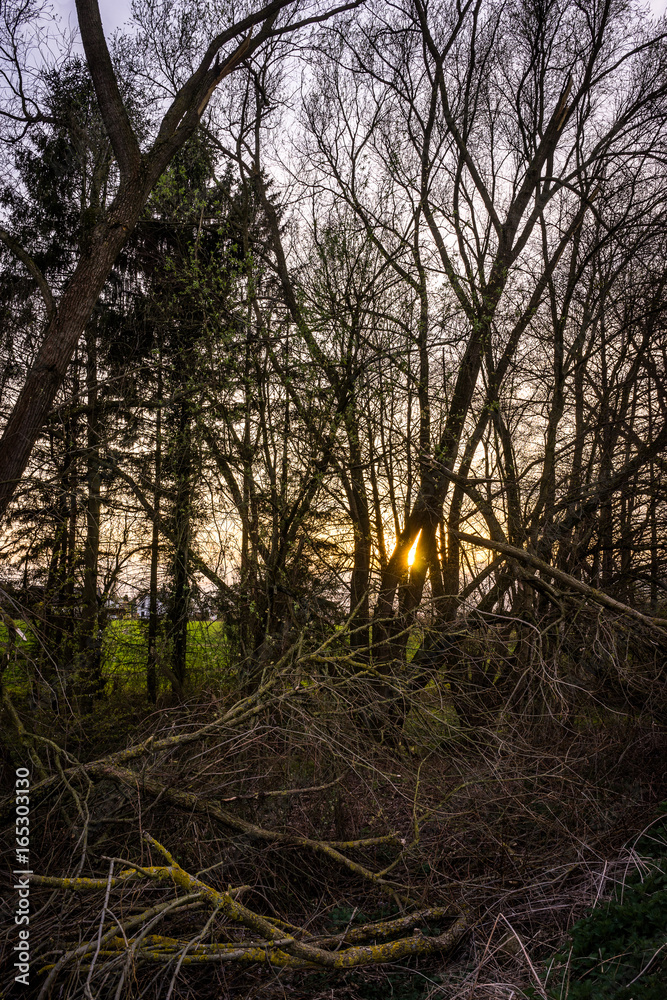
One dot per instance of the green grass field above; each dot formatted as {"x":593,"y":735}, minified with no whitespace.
{"x":125,"y":655}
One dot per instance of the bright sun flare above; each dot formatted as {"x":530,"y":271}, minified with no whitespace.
{"x":413,"y":551}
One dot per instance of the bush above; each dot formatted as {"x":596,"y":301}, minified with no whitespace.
{"x":618,"y":951}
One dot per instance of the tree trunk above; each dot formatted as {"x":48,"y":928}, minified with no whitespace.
{"x":60,"y":339}
{"x":151,"y":666}
{"x":179,"y":611}
{"x":91,"y":649}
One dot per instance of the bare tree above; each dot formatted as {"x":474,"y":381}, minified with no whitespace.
{"x":475,"y":144}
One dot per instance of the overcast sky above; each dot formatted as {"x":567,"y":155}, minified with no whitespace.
{"x":116,"y":12}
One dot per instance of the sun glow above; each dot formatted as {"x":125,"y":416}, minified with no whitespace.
{"x":413,"y":551}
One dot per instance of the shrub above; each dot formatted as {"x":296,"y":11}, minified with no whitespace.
{"x":618,"y":951}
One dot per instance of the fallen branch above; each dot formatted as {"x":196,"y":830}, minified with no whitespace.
{"x":241,"y":712}
{"x":194,"y":803}
{"x":270,"y":944}
{"x":656,"y":623}
{"x":280,"y":793}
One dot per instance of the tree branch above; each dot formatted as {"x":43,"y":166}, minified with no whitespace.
{"x":35,"y":272}
{"x":656,"y":623}
{"x":116,"y":120}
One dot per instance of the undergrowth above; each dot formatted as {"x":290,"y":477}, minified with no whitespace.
{"x":618,"y":951}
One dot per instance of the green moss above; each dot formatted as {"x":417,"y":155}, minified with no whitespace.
{"x":22,"y":652}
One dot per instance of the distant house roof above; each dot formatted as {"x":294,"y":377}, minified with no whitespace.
{"x":143,"y":606}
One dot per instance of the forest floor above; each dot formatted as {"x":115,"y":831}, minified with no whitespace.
{"x":293,"y":802}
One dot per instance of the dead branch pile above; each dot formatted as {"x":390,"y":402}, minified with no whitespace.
{"x":338,"y":819}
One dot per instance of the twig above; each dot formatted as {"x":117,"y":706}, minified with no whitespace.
{"x":86,"y":988}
